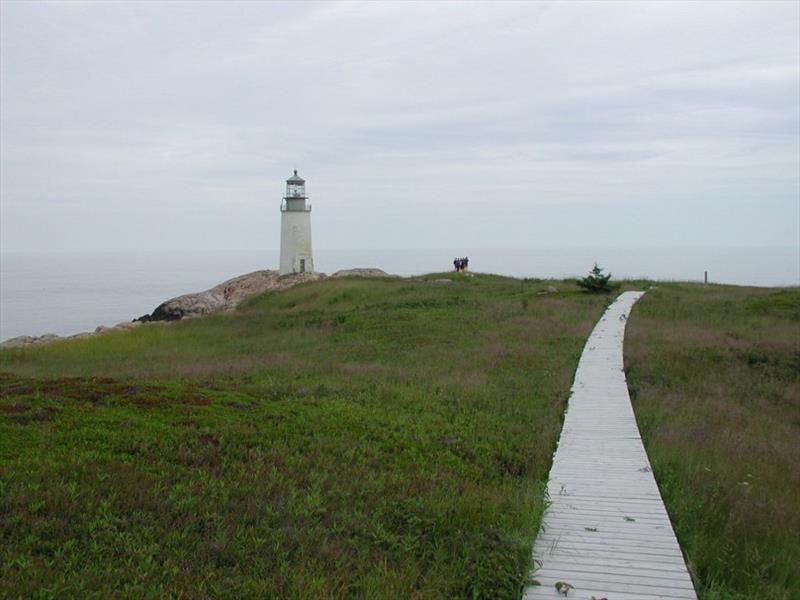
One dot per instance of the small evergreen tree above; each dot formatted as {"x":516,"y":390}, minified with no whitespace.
{"x":596,"y":281}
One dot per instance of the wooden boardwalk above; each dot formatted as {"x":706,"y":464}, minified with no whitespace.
{"x":606,"y":531}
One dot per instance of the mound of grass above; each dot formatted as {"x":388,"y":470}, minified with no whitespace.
{"x":714,"y":374}
{"x":345,"y":438}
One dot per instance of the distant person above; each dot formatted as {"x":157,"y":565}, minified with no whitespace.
{"x":466,"y":262}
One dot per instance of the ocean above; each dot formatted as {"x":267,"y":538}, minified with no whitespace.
{"x":67,"y":293}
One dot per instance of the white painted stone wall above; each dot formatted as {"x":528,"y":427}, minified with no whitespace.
{"x":296,"y":240}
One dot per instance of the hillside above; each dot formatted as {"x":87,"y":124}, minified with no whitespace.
{"x":386,"y":438}
{"x":344,"y":438}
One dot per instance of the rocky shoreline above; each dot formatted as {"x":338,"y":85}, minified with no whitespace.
{"x":221,"y":298}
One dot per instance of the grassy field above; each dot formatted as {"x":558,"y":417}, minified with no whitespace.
{"x":714,"y":374}
{"x":345,"y":438}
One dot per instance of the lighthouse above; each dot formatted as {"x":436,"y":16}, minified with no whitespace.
{"x":296,"y":256}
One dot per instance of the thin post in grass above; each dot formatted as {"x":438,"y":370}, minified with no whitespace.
{"x":705,"y":277}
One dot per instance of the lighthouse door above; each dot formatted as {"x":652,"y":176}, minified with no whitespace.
{"x":302,"y":265}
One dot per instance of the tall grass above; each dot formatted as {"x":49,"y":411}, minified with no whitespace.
{"x":714,"y":374}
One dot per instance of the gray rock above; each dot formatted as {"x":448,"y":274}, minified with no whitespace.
{"x":18,"y":342}
{"x":126,"y":325}
{"x":118,"y":327}
{"x":362,"y":272}
{"x":227,"y":295}
{"x":48,"y":337}
{"x":29,"y":340}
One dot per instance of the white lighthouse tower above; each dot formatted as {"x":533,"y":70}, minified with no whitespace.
{"x":296,"y":256}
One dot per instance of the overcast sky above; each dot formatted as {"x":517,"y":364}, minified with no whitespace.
{"x":173,"y":126}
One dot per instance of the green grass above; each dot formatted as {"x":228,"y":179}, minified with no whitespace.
{"x":714,"y":374}
{"x":344,"y":438}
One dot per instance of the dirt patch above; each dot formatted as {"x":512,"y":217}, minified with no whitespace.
{"x":40,"y":416}
{"x":101,"y":391}
{"x":156,"y":399}
{"x":15,"y":390}
{"x":45,"y":414}
{"x":14,"y":409}
{"x":93,"y":390}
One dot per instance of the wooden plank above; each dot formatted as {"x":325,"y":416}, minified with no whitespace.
{"x":613,"y":563}
{"x":604,"y":505}
{"x":556,"y":537}
{"x":628,"y":581}
{"x":571,"y":551}
{"x":585,"y":588}
{"x":606,"y":530}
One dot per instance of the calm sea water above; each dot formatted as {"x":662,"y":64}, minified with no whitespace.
{"x":70,"y":292}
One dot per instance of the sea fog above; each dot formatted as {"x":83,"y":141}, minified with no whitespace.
{"x":67,"y":293}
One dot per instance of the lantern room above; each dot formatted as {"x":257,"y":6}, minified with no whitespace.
{"x":295,"y":187}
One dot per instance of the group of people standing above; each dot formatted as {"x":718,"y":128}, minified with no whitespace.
{"x":461,"y":264}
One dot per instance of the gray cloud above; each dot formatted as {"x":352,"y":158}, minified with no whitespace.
{"x":173,"y":125}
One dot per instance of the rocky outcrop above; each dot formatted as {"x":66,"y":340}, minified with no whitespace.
{"x":118,"y":327}
{"x":548,"y":290}
{"x":34,"y":340}
{"x":364,"y":272}
{"x":227,"y":295}
{"x":29,"y":340}
{"x":223,"y":297}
